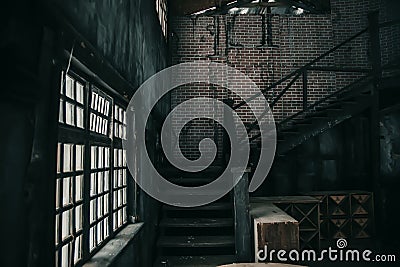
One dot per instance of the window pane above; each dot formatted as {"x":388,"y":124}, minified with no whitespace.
{"x":78,"y":218}
{"x":94,"y":101}
{"x":56,"y":228}
{"x":106,"y":180}
{"x":77,"y":249}
{"x":100,"y":183}
{"x":61,"y":112}
{"x":67,"y":166}
{"x":105,"y":227}
{"x":107,"y":108}
{"x":79,"y":188}
{"x":79,"y":157}
{"x":100,"y":207}
{"x":79,"y":117}
{"x":93,"y":210}
{"x":93,"y":122}
{"x":106,"y":199}
{"x":65,"y":224}
{"x":94,"y":157}
{"x":66,"y":191}
{"x":101,"y":157}
{"x":93,"y":182}
{"x":58,"y":192}
{"x":79,"y":92}
{"x":70,"y":114}
{"x":65,"y":256}
{"x":101,"y":105}
{"x":99,"y":232}
{"x":107,"y":157}
{"x":69,"y":87}
{"x":92,"y":241}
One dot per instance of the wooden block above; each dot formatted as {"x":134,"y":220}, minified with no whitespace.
{"x":273,"y":228}
{"x":286,"y":199}
{"x":305,"y":210}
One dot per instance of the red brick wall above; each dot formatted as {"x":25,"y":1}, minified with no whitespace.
{"x":296,"y":39}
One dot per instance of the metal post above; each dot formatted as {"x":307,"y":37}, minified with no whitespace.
{"x":242,"y":218}
{"x":228,"y":120}
{"x":375,"y":52}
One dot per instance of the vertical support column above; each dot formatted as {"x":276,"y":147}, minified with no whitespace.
{"x":242,"y":218}
{"x":228,"y":120}
{"x":305,"y":90}
{"x":375,"y":52}
{"x":40,"y":177}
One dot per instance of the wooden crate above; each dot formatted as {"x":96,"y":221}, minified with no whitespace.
{"x":273,"y":228}
{"x":345,"y":214}
{"x":305,"y":210}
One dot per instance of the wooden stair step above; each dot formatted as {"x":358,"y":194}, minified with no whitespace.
{"x":195,"y":241}
{"x":191,"y":181}
{"x":212,"y":206}
{"x":196,"y":222}
{"x":176,"y":173}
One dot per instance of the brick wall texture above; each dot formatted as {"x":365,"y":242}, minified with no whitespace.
{"x":296,"y":40}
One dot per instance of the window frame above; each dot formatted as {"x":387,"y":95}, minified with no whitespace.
{"x":162,"y":14}
{"x":71,"y":134}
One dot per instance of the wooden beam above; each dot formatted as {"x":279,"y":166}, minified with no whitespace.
{"x":242,"y":219}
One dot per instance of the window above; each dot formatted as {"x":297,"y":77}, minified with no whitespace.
{"x":161,"y":8}
{"x":91,"y":180}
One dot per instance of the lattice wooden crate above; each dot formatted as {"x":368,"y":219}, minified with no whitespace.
{"x":362,"y":204}
{"x":306,"y":211}
{"x":345,"y":214}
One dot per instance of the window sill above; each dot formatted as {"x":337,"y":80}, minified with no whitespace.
{"x":107,"y":255}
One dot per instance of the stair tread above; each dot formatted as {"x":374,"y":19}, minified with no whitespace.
{"x":205,"y":192}
{"x":196,"y":241}
{"x":173,"y":172}
{"x":212,"y":206}
{"x":190,"y":180}
{"x":198,"y":261}
{"x":196,"y":222}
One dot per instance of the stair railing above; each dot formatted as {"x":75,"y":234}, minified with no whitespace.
{"x":303,"y":71}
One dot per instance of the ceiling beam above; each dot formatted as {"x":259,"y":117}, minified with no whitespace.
{"x":185,"y":7}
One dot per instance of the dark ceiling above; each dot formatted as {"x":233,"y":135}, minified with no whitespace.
{"x":189,"y":7}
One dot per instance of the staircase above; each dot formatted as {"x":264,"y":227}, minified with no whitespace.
{"x":337,"y":108}
{"x":205,"y":236}
{"x":200,"y":236}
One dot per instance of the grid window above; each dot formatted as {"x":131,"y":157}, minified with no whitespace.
{"x":119,"y":188}
{"x":69,"y":202}
{"x":161,"y":8}
{"x":71,"y":102}
{"x":119,"y":122}
{"x":100,"y":112}
{"x":99,"y":194}
{"x":88,"y":207}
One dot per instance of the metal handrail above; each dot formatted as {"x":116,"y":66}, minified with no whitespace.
{"x":308,"y":67}
{"x":301,"y":69}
